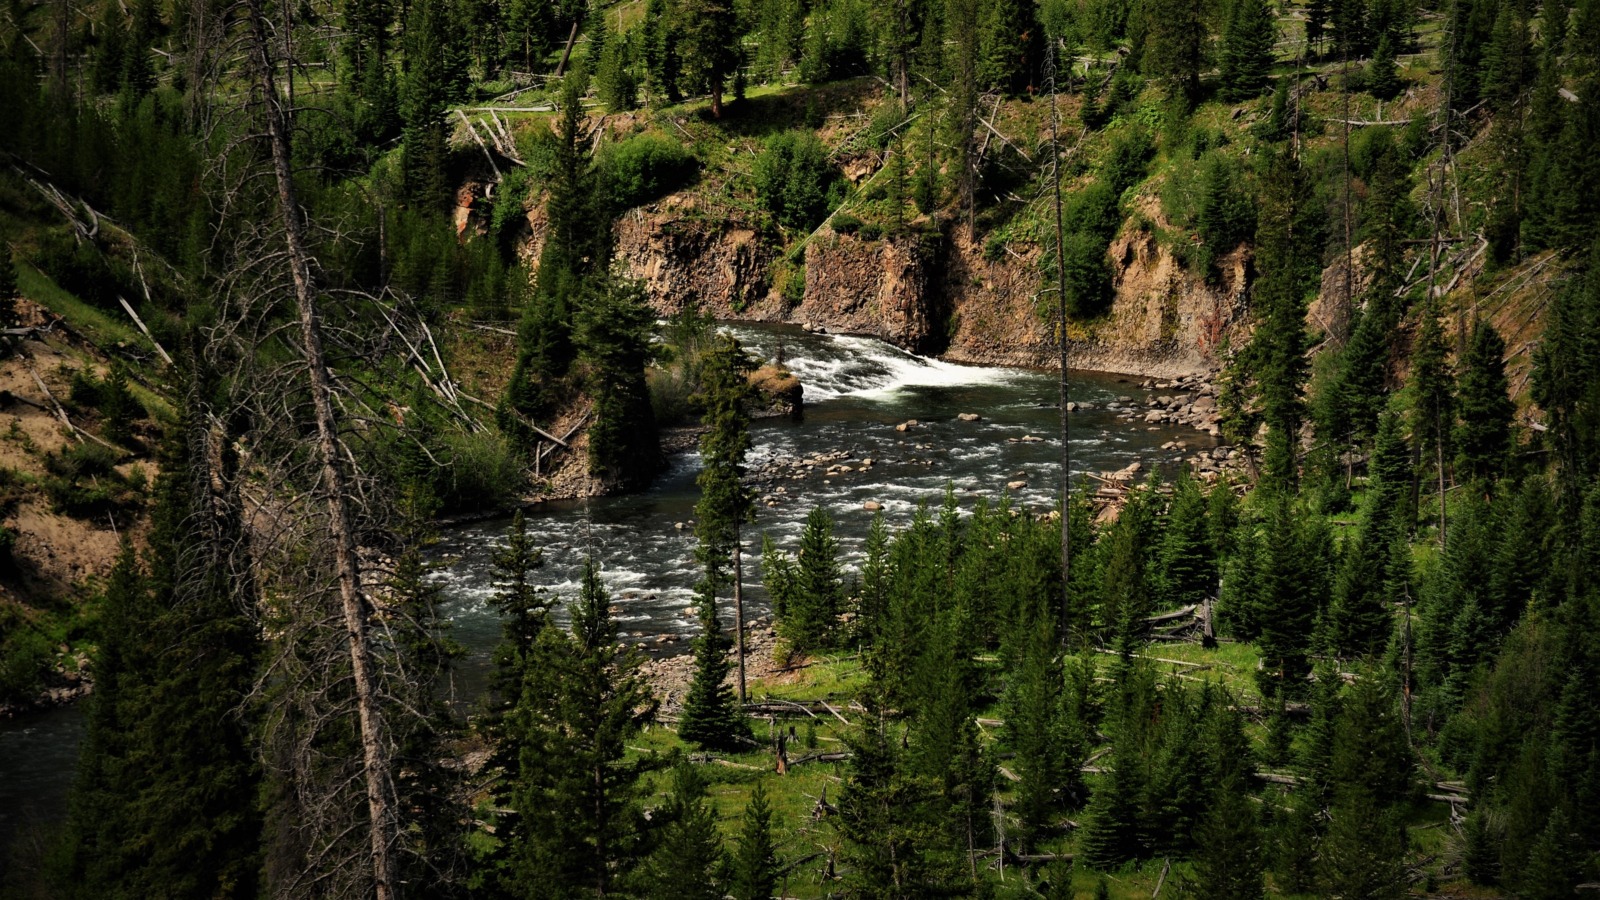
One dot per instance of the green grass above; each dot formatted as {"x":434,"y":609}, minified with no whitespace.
{"x":96,"y":323}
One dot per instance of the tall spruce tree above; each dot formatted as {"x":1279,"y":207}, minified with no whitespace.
{"x":709,"y":42}
{"x":711,"y":716}
{"x":1246,"y":57}
{"x":578,"y":242}
{"x":579,"y":828}
{"x":753,"y":866}
{"x":1432,"y":403}
{"x":1483,"y":437}
{"x":165,"y":799}
{"x":687,"y":862}
{"x":615,"y":327}
{"x":817,"y":597}
{"x":1285,"y":238}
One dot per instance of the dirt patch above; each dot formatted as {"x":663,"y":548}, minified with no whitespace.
{"x":669,"y":676}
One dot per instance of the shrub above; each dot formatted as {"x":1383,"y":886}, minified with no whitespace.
{"x":82,"y":481}
{"x":645,"y":168}
{"x":845,"y":223}
{"x":1124,"y":166}
{"x":1093,"y":210}
{"x":111,"y":398}
{"x":1088,"y":275}
{"x":795,"y":180}
{"x":482,"y":472}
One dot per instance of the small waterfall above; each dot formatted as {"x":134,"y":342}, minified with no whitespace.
{"x":832,"y":366}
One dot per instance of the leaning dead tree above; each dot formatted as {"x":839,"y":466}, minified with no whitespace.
{"x":344,"y":698}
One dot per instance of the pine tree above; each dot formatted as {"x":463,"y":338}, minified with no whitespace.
{"x":1318,"y":14}
{"x":1113,"y":835}
{"x":687,"y":863}
{"x":725,"y":502}
{"x":1363,"y":853}
{"x":435,"y":73}
{"x":882,"y":818}
{"x":1566,"y":381}
{"x":579,"y":827}
{"x":524,"y":609}
{"x":1247,"y":42}
{"x":1127,"y":593}
{"x":578,"y":243}
{"x":818,"y":595}
{"x":1555,"y":864}
{"x":1176,"y":44}
{"x":1383,"y":76}
{"x":614,"y":329}
{"x":711,"y":716}
{"x":1285,"y":236}
{"x":753,"y":868}
{"x":709,"y":41}
{"x":662,"y":62}
{"x":618,"y":89}
{"x":1188,"y":558}
{"x":1009,"y":45}
{"x":1228,"y":862}
{"x":1349,"y":27}
{"x":1047,"y":756}
{"x":1359,"y":619}
{"x":1483,"y":437}
{"x":165,"y":799}
{"x":872,"y":610}
{"x":1292,"y":577}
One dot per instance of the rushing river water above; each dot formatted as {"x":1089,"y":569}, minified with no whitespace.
{"x":856,"y":391}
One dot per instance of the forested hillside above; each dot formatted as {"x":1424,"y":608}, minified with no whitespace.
{"x":287,"y":288}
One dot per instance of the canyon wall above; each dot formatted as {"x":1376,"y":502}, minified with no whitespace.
{"x":940,"y":293}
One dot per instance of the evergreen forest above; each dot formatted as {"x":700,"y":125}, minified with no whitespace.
{"x":288,"y":291}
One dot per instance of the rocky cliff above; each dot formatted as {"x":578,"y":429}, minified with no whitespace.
{"x":939,"y":293}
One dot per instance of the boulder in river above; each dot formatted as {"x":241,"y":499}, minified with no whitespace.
{"x":969,"y":417}
{"x":872,"y":506}
{"x":1016,"y":485}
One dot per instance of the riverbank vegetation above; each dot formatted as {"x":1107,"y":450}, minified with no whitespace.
{"x":283,"y":286}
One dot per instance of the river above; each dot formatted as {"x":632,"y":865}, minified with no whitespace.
{"x":856,"y":391}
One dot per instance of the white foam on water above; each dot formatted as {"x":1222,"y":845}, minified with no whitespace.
{"x":871,"y":369}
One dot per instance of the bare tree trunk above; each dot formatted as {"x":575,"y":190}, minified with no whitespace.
{"x":738,"y":606}
{"x":1061,"y":338}
{"x":374,"y":749}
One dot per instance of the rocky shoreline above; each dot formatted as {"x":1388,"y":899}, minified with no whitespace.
{"x":69,"y":682}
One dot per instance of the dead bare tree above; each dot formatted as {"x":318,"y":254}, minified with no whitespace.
{"x":345,"y":694}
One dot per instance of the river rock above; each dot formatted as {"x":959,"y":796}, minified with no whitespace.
{"x":969,"y":417}
{"x":1030,"y":439}
{"x":872,"y":506}
{"x":1154,"y":415}
{"x":1016,"y":485}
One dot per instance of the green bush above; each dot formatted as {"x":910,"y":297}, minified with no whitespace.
{"x":1088,"y":275}
{"x":82,"y":481}
{"x":1125,"y":165}
{"x":845,"y":223}
{"x":482,"y":471}
{"x":111,"y":398}
{"x":1093,"y":210}
{"x":25,"y":655}
{"x":645,"y":168}
{"x":796,"y":181}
